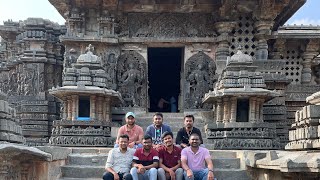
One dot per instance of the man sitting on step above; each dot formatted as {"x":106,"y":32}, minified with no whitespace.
{"x":156,"y":129}
{"x":185,"y":132}
{"x":145,"y":161}
{"x":170,"y":159}
{"x":134,"y":131}
{"x":119,"y":161}
{"x":193,"y":159}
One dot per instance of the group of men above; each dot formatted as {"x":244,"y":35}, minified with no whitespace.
{"x":153,"y":155}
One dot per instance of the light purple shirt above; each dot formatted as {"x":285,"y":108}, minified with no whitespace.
{"x":196,"y":161}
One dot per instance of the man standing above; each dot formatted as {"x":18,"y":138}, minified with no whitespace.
{"x":170,"y":159}
{"x":134,"y":132}
{"x":185,"y":132}
{"x":156,"y":129}
{"x":119,"y":161}
{"x":193,"y":160}
{"x":145,"y":161}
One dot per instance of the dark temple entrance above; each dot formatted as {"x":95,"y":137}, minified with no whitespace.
{"x":164,"y":67}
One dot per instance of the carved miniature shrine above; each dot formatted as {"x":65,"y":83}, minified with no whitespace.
{"x":86,"y":116}
{"x":238,"y":99}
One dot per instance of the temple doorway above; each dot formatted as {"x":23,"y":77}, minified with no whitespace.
{"x":164,"y":69}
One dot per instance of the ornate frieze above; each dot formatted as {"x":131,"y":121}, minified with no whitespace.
{"x":245,"y":144}
{"x":82,"y":141}
{"x":170,"y":25}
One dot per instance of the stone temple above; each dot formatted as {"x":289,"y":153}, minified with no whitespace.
{"x":251,"y":82}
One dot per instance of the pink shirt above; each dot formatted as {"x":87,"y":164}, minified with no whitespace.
{"x":133,"y":133}
{"x":195,"y":161}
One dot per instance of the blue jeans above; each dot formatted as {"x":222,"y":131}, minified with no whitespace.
{"x":150,"y":174}
{"x":162,"y":174}
{"x":197,"y":175}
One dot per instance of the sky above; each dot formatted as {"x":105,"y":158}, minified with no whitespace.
{"x":22,"y":9}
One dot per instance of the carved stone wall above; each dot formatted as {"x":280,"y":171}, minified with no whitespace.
{"x":170,"y":25}
{"x":132,"y":79}
{"x":32,"y":63}
{"x":10,"y":129}
{"x":199,"y":79}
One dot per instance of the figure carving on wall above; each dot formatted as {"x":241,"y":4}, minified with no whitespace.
{"x":199,"y":82}
{"x":13,"y":86}
{"x":110,"y":66}
{"x":131,"y":77}
{"x":71,"y":58}
{"x":200,"y":76}
{"x":28,"y":81}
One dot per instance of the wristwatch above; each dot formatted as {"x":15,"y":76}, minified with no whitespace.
{"x":211,"y":170}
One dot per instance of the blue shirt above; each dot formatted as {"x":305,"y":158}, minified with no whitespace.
{"x":156,"y":133}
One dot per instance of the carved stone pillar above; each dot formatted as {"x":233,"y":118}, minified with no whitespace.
{"x":257,"y":112}
{"x":252,"y":109}
{"x":99,"y":108}
{"x":261,"y":110}
{"x":264,"y":30}
{"x":69,"y":101}
{"x":108,"y":109}
{"x":233,"y":117}
{"x":219,"y":111}
{"x":311,"y":51}
{"x":93,"y":107}
{"x":74,"y":107}
{"x":278,"y":49}
{"x":104,"y":109}
{"x":224,"y":29}
{"x":225,"y":110}
{"x":65,"y":109}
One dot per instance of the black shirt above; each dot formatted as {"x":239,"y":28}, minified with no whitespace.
{"x":183,"y":136}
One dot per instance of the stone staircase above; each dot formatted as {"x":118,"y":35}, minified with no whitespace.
{"x":88,"y":163}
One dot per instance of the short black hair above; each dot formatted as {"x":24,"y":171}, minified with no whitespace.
{"x":146,"y":137}
{"x":166,"y":134}
{"x":124,"y":136}
{"x":195,"y":134}
{"x":158,"y":114}
{"x":189,"y":116}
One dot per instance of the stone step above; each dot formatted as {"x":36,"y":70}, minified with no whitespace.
{"x":87,"y":172}
{"x":100,"y":160}
{"x":91,"y":150}
{"x":223,"y":154}
{"x":226,"y":163}
{"x":81,"y":171}
{"x":231,"y":174}
{"x":87,"y":159}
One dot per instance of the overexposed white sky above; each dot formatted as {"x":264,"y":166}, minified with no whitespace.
{"x":22,"y":9}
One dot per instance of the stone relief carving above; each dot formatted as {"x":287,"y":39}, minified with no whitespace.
{"x":200,"y":77}
{"x":131,"y":78}
{"x":70,"y":58}
{"x":13,"y":86}
{"x":109,"y":63}
{"x":170,"y":25}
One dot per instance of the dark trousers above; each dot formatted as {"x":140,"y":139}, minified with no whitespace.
{"x":122,"y":176}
